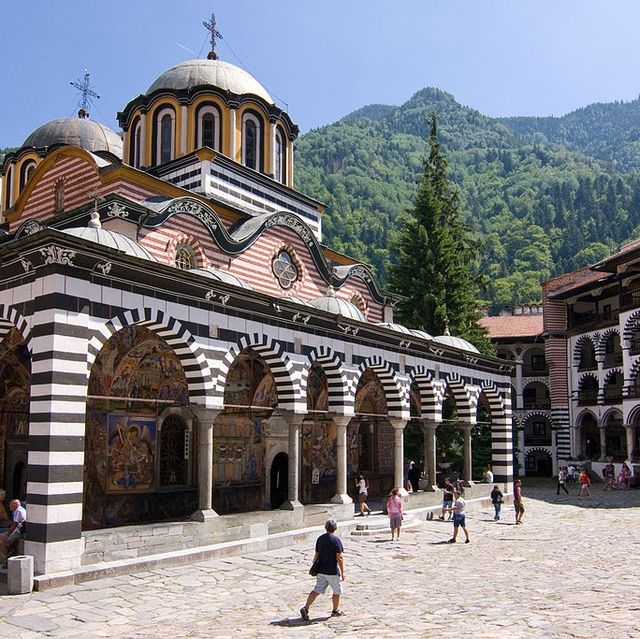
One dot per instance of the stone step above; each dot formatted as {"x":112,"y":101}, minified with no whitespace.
{"x":380,"y":525}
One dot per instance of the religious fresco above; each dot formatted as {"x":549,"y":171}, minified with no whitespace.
{"x":319,"y":453}
{"x":122,"y":442}
{"x":317,"y":389}
{"x":370,"y":397}
{"x":131,"y":452}
{"x":15,"y":385}
{"x":250,"y":383}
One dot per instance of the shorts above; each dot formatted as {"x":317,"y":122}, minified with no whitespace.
{"x":447,"y":503}
{"x":324,"y":581}
{"x":519,"y":506}
{"x":458,"y":520}
{"x":395,"y":522}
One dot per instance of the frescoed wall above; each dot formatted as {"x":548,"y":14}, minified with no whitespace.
{"x":124,"y":447}
{"x":319,"y":452}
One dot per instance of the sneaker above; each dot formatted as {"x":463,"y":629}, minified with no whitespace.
{"x":337,"y":613}
{"x":451,"y":541}
{"x":467,"y":541}
{"x":304,"y":613}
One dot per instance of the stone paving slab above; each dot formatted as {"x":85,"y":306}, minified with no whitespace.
{"x":569,"y":571}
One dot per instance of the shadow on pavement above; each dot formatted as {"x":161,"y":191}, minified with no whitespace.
{"x":296,"y":622}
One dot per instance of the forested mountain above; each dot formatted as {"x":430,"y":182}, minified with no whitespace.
{"x":539,"y":208}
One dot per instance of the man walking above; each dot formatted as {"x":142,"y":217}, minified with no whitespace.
{"x":459,"y":516}
{"x":518,"y":504}
{"x":331,"y":571}
{"x":562,"y":479}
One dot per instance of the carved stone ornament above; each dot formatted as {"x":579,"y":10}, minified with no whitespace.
{"x":26,"y":264}
{"x":196,"y":209}
{"x":361,"y":272}
{"x":117,"y":210}
{"x":293,"y":223}
{"x":405,"y":343}
{"x":348,"y":329}
{"x":302,"y":318}
{"x":211,"y":296}
{"x":31,"y":227}
{"x":104,"y":267}
{"x":57,"y":255}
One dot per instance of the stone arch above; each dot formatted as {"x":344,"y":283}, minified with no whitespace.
{"x":431,"y":392}
{"x":536,"y":413}
{"x":9,"y":318}
{"x":582,"y":414}
{"x":634,"y":415}
{"x":340,"y":399}
{"x":610,"y":374}
{"x":538,"y":461}
{"x":466,"y":400}
{"x":580,"y":343}
{"x":632,"y":324}
{"x":502,"y":422}
{"x":397,"y":395}
{"x":609,"y":413}
{"x":192,"y":358}
{"x":585,"y":376}
{"x":278,"y":363}
{"x":536,"y":380}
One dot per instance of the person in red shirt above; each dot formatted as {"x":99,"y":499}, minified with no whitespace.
{"x":585,"y":484}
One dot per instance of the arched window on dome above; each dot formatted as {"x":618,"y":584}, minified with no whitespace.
{"x":164,"y":135}
{"x":8,"y":194}
{"x":58,"y":196}
{"x":135,"y":153}
{"x":251,"y":136}
{"x":208,"y":127}
{"x":281,"y":164}
{"x":26,"y":172}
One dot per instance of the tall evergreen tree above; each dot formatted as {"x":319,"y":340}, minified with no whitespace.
{"x":434,"y":254}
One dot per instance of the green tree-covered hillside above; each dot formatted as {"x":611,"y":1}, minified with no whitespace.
{"x":539,"y":208}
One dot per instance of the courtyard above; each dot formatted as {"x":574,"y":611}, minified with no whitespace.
{"x":568,"y":571}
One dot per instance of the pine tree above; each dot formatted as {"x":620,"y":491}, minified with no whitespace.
{"x":434,"y":254}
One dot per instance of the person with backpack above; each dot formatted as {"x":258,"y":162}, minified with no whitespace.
{"x":496,"y":499}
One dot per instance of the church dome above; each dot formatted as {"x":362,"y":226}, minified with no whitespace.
{"x":82,"y":132}
{"x":456,"y":342}
{"x":334,"y":305}
{"x":220,"y":276}
{"x":195,"y":73}
{"x":111,"y":239}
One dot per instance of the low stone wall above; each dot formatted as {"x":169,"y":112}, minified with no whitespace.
{"x":130,"y":542}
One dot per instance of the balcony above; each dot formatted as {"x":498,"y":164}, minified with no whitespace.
{"x":612,"y":359}
{"x":543,"y":403}
{"x":537,"y":440}
{"x":635,"y":347}
{"x":587,"y":364}
{"x":630,"y":300}
{"x":592,"y":318}
{"x":528,"y":371}
{"x":588,"y":397}
{"x":613,"y":395}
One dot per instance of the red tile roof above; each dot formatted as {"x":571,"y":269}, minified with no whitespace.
{"x":513,"y":325}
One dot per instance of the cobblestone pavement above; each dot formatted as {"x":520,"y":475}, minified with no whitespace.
{"x":571,"y":570}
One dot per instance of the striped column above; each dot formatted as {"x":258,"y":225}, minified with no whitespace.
{"x":56,"y":440}
{"x":502,"y":441}
{"x":560,"y":421}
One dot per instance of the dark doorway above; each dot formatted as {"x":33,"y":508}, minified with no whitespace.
{"x":16,"y":470}
{"x":279,"y":480}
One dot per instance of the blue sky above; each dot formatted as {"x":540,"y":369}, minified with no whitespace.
{"x":322,"y":59}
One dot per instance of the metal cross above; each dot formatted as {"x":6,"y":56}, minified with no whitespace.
{"x":86,"y":93}
{"x":214,"y":34}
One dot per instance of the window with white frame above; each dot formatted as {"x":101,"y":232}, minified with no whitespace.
{"x":280,"y":157}
{"x":208,"y":128}
{"x":251,"y":132}
{"x":165,"y":135}
{"x":285,"y":269}
{"x":136,"y":141}
{"x":26,"y":172}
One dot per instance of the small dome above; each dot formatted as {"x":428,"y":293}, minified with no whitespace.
{"x":220,"y":276}
{"x":110,"y":239}
{"x":295,"y":300}
{"x":195,"y":73}
{"x":334,"y":305}
{"x":456,"y":342}
{"x":421,"y":334}
{"x":399,"y":328}
{"x":81,"y":132}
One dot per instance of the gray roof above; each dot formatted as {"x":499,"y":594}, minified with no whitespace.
{"x":81,"y":132}
{"x":220,"y":276}
{"x":223,"y":75}
{"x":336,"y":306}
{"x":456,"y":342}
{"x":407,"y":331}
{"x":111,"y":239}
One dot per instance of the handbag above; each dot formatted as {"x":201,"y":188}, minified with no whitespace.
{"x":313,"y":571}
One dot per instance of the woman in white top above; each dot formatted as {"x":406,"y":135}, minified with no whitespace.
{"x":363,"y":490}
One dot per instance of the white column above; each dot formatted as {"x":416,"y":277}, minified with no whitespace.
{"x":430,"y":451}
{"x":630,"y":432}
{"x":521,"y":455}
{"x":294,"y":420}
{"x":205,"y":511}
{"x":398,"y":459}
{"x":603,"y":443}
{"x":232,"y":134}
{"x":467,"y":474}
{"x":519,"y":385}
{"x":183,"y":132}
{"x":341,"y":496}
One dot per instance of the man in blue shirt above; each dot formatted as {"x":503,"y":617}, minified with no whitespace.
{"x":330,"y":569}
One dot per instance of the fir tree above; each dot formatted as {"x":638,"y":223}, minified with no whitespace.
{"x":434,"y":254}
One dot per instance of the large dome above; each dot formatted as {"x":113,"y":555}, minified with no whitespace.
{"x":456,"y":342}
{"x":82,"y":132}
{"x":195,"y":73}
